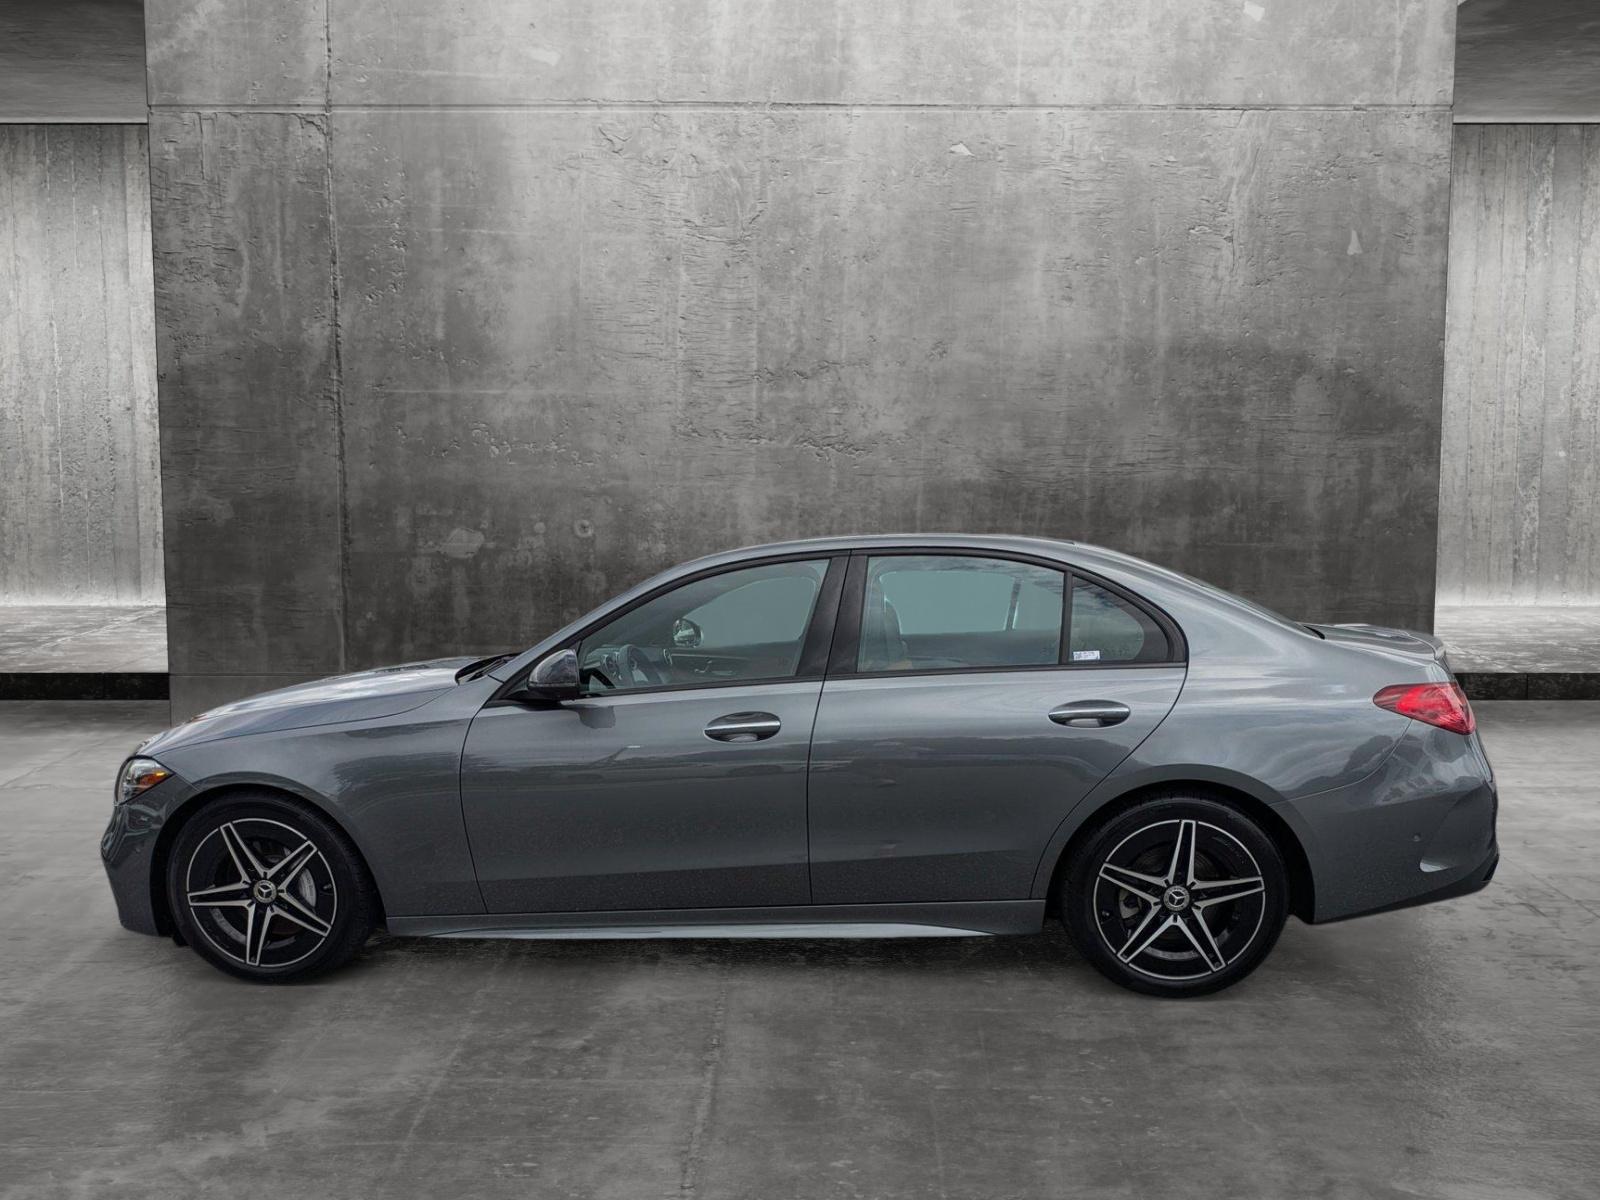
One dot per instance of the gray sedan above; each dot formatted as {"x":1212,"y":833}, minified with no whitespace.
{"x":929,"y":736}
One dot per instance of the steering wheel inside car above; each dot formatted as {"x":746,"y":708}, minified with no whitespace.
{"x":585,"y":674}
{"x":638,"y":665}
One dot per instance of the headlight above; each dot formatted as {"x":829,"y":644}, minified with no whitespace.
{"x":139,"y":775}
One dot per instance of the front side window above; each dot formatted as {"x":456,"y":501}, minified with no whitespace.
{"x":735,"y":627}
{"x":949,"y":612}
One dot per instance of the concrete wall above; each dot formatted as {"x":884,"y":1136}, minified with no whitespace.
{"x":472,"y":314}
{"x":74,"y":61}
{"x":80,"y":489}
{"x":1520,"y":493}
{"x":1527,"y":61}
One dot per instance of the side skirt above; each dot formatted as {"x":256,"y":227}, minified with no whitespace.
{"x":963,"y":919}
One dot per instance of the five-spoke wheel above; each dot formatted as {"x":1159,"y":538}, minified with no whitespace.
{"x":268,"y":889}
{"x":1176,"y":896}
{"x":262,"y":892}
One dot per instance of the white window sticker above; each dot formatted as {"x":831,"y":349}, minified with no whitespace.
{"x":1085,"y":656}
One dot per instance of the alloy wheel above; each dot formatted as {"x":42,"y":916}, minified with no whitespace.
{"x":261,"y":892}
{"x":1179,"y":900}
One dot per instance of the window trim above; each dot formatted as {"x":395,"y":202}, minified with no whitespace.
{"x":852,"y":601}
{"x":813,"y":649}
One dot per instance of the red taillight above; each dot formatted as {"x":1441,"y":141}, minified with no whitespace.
{"x":1441,"y":704}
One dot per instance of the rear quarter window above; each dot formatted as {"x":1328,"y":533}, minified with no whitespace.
{"x":1105,"y":628}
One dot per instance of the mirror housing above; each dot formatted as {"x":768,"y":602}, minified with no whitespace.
{"x":554,"y":677}
{"x":685,"y":634}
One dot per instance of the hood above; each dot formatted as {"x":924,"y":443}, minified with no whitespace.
{"x":362,"y":696}
{"x":1424,"y":648}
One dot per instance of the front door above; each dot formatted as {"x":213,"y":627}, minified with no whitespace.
{"x":679,"y":779}
{"x":975,"y":706}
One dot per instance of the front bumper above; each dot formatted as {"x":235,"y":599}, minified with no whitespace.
{"x":128,"y":850}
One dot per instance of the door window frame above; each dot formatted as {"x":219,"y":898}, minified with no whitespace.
{"x":813,"y":648}
{"x":852,"y":604}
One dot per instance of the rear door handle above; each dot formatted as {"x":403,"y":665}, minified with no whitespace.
{"x":1083,"y":713}
{"x":744,"y":727}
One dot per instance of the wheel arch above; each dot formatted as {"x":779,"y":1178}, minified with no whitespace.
{"x":1075,"y":830}
{"x":175,"y":821}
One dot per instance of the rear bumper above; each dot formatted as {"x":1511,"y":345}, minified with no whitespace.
{"x":1474,"y":880}
{"x":1419,"y":830}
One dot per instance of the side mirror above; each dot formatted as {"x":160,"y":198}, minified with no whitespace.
{"x":685,"y":634}
{"x":554,"y":677}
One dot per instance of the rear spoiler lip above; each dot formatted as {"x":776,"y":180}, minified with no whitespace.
{"x":1440,"y":650}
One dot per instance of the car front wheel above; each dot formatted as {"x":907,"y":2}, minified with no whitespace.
{"x":267,"y":889}
{"x":1177,"y":896}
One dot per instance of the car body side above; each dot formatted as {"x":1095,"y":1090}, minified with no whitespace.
{"x":1372,"y":809}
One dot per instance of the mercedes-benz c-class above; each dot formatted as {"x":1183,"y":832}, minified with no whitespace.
{"x":845,"y":737}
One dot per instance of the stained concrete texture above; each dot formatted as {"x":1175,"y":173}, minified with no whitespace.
{"x":83,"y":638}
{"x":80,"y":486}
{"x":958,"y":52}
{"x":250,"y":456}
{"x":72,"y":61}
{"x":1528,"y":60}
{"x":1441,"y":1053}
{"x":471,"y":317}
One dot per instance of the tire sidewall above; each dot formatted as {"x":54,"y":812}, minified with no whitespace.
{"x":352,"y":923}
{"x":1076,"y":898}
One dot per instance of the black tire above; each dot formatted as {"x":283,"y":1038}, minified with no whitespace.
{"x":1128,"y":906}
{"x":223,"y":898}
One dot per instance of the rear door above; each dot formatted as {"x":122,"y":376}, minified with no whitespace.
{"x":971,"y":701}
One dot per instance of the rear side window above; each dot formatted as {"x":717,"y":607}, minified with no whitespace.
{"x":1108,"y":629}
{"x":947,"y":612}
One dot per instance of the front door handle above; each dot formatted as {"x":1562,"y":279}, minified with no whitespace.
{"x":1082,"y":713}
{"x":744,"y":727}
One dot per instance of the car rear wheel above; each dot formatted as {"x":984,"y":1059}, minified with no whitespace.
{"x":269,"y":890}
{"x":1178,"y":896}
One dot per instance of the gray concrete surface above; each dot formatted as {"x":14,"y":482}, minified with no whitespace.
{"x":1520,"y":486}
{"x":82,"y":637}
{"x":80,"y":487}
{"x":1443,"y":1053}
{"x":72,"y":61}
{"x":1528,"y":60}
{"x":471,"y":316}
{"x":1524,"y":638}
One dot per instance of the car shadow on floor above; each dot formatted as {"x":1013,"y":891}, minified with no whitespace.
{"x":1301,"y":960}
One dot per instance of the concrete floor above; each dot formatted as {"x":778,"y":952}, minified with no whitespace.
{"x":1446,"y":1052}
{"x":1523,"y":638}
{"x":83,"y":637}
